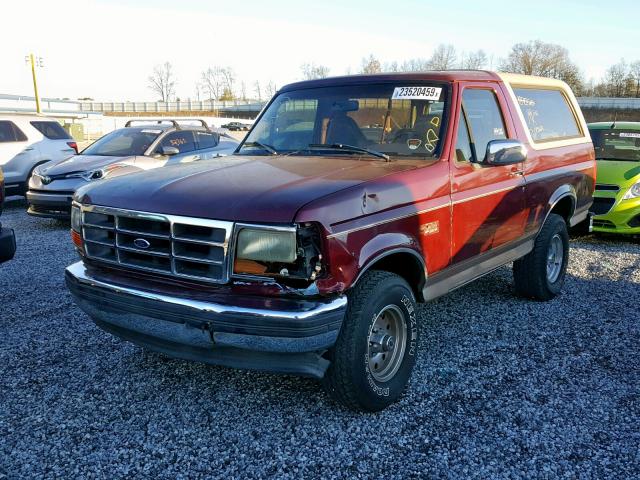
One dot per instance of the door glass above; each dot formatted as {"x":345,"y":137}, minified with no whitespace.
{"x":51,"y":130}
{"x":485,"y":119}
{"x":9,"y":132}
{"x":182,"y":140}
{"x":463,"y":143}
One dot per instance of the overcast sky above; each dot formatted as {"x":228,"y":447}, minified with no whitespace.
{"x":107,"y":49}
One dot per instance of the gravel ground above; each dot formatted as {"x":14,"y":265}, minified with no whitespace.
{"x":503,"y":387}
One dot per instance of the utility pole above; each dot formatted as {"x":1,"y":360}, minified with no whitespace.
{"x":33,"y":61}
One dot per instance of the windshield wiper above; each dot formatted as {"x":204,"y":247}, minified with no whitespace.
{"x":350,"y":148}
{"x":264,"y":146}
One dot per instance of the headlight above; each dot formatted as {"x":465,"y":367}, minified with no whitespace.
{"x":263,"y":245}
{"x":93,"y":175}
{"x":633,"y":192}
{"x":76,"y":219}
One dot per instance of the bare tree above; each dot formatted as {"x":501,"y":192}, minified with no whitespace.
{"x":634,"y":70}
{"x":162,"y":81}
{"x":312,"y":70}
{"x":415,"y":65}
{"x":212,"y":82}
{"x":370,"y":65}
{"x":257,"y":90}
{"x":243,"y":90}
{"x":474,"y":60}
{"x":228,"y":77}
{"x":270,"y":89}
{"x":545,"y":60}
{"x":616,"y":79}
{"x":443,"y":57}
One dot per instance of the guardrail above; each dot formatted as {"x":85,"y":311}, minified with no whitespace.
{"x":177,"y":106}
{"x":609,"y":102}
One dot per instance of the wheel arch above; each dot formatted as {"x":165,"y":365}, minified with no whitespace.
{"x":563,"y":202}
{"x":403,"y":261}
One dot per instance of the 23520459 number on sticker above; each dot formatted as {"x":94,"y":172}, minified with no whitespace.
{"x":416,"y":93}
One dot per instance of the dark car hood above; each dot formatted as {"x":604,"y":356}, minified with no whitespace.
{"x":237,"y":188}
{"x":80,"y":163}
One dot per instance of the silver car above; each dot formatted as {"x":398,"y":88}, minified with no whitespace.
{"x":27,"y":141}
{"x":123,"y":151}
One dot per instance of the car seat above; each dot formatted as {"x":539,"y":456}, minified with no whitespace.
{"x":343,"y":129}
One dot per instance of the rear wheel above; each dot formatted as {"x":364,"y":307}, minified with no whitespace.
{"x":375,"y":353}
{"x":541,"y":273}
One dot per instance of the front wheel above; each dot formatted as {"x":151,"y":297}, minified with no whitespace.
{"x":376,"y":350}
{"x":540,"y":274}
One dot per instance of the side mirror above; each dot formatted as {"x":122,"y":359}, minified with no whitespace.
{"x":170,"y":151}
{"x":504,"y":152}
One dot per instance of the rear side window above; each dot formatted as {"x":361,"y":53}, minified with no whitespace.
{"x":206,"y":140}
{"x":9,"y":132}
{"x":51,"y":130}
{"x":182,"y":140}
{"x":547,"y":114}
{"x":484,"y":118}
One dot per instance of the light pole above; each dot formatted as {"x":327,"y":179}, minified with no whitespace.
{"x":39,"y":61}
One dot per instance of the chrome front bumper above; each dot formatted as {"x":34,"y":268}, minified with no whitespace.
{"x":264,"y":333}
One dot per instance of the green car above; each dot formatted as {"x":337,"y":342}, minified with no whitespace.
{"x":616,"y":200}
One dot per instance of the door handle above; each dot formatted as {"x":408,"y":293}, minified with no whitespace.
{"x":516,"y":173}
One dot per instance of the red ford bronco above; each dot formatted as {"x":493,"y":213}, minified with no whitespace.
{"x":350,"y":200}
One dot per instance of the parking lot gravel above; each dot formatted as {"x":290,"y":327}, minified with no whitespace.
{"x":503,"y":387}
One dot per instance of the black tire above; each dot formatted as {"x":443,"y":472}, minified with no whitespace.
{"x":350,"y":380}
{"x":530,"y":272}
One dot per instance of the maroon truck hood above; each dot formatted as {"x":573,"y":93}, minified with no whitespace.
{"x":237,"y":188}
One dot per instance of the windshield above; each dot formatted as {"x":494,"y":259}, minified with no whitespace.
{"x":616,"y":144}
{"x":402,"y":119}
{"x":124,"y":142}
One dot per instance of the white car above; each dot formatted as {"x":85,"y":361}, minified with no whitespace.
{"x":27,"y":141}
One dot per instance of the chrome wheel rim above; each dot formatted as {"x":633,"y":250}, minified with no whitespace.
{"x":555,"y":255}
{"x":387,"y":343}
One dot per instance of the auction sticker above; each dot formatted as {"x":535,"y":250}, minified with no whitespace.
{"x":416,"y":93}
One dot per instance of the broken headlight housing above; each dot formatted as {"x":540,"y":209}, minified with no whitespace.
{"x":284,"y":252}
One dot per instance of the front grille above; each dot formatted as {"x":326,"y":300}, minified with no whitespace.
{"x":601,"y":205}
{"x":605,"y":187}
{"x":634,"y":222}
{"x":185,"y":247}
{"x":603,"y":224}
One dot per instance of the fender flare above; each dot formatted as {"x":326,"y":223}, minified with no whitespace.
{"x":563,"y":191}
{"x":395,"y":250}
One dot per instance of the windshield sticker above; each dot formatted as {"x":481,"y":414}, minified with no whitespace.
{"x":629,"y":135}
{"x":151,"y":131}
{"x":416,"y":93}
{"x":414,"y":143}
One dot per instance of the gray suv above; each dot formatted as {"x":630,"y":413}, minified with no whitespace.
{"x":126,"y":150}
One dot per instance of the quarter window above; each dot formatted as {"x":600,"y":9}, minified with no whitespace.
{"x":484,"y":117}
{"x":547,"y":114}
{"x":9,"y":132}
{"x":51,"y":130}
{"x":182,"y":140}
{"x":206,"y":140}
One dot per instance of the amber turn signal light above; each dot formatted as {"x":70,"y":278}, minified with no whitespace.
{"x":248,"y":267}
{"x":76,"y":238}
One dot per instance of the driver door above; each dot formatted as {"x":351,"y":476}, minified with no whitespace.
{"x":488,"y":201}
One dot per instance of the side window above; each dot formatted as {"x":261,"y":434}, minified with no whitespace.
{"x":183,"y":140}
{"x":484,"y":117}
{"x":463,"y":142}
{"x":9,"y":132}
{"x":547,"y":114}
{"x":206,"y":140}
